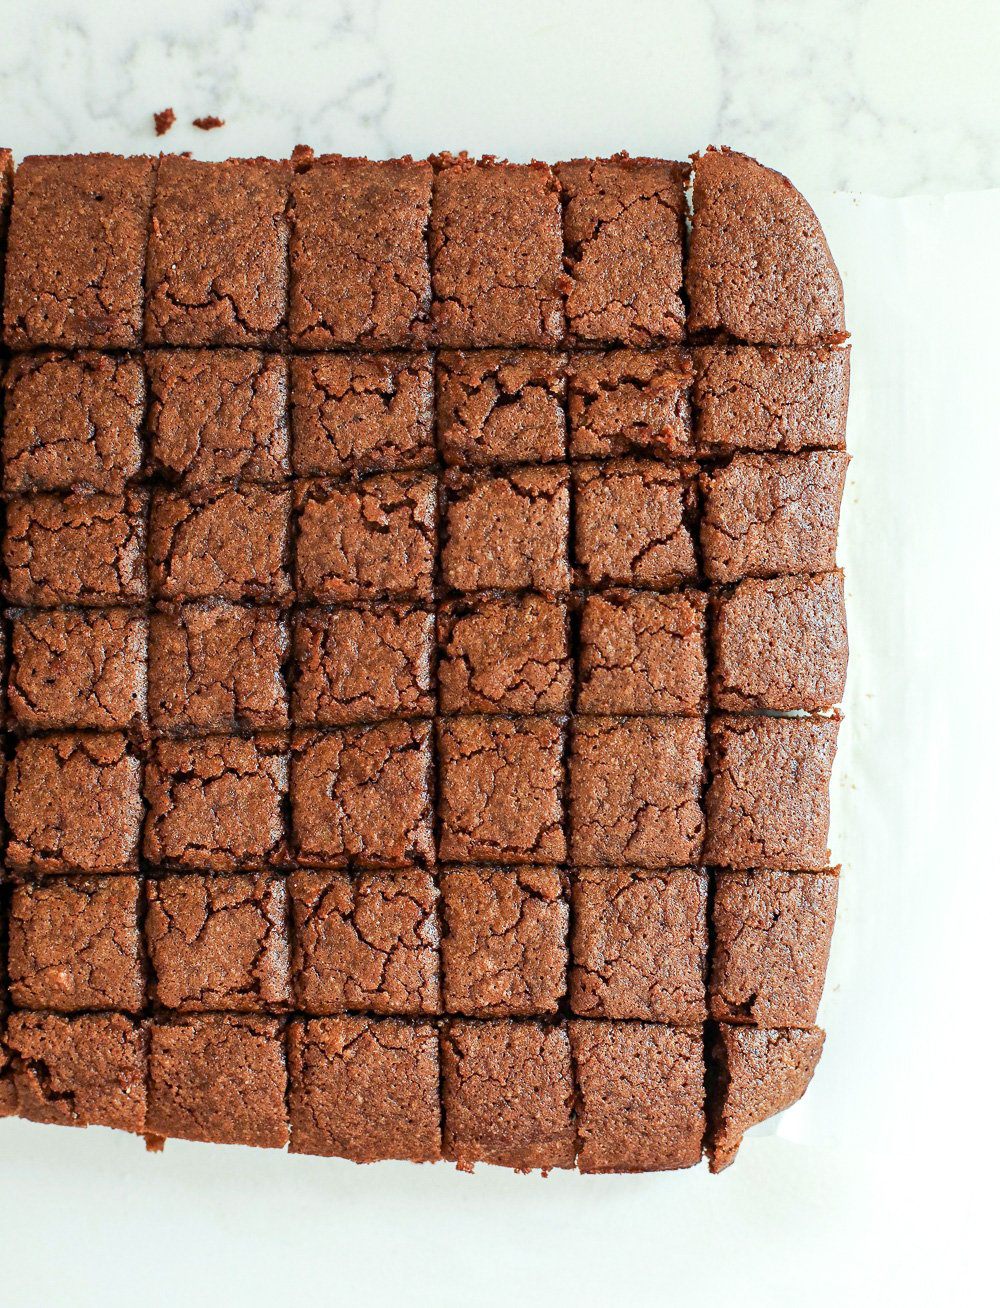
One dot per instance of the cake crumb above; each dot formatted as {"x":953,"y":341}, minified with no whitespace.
{"x":208,"y":123}
{"x":163,"y":121}
{"x":302,"y":158}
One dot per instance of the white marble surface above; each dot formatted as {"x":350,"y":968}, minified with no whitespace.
{"x":885,"y":96}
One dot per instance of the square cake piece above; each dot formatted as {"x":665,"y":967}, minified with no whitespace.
{"x":642,"y":652}
{"x":504,"y":950}
{"x":504,"y":654}
{"x":218,"y":415}
{"x":507,"y":1093}
{"x":624,"y":225}
{"x":635,"y":791}
{"x":76,"y":549}
{"x":501,"y":406}
{"x":76,"y":252}
{"x":759,"y":1073}
{"x":74,"y":945}
{"x":85,"y":1070}
{"x":364,"y":1088}
{"x":6,"y":195}
{"x":362,"y":413}
{"x":363,"y":795}
{"x":634,"y":523}
{"x":780,"y":644}
{"x":630,"y":402}
{"x":500,"y":789}
{"x":767,"y":515}
{"x":217,"y":263}
{"x":218,"y":943}
{"x":370,"y":539}
{"x":72,"y":422}
{"x":639,"y":945}
{"x":366,"y":943}
{"x":225,"y":542}
{"x":217,"y":803}
{"x":771,"y":943}
{"x":757,"y":398}
{"x":362,"y":663}
{"x":508,"y":530}
{"x":641,"y":1088}
{"x":768,"y":805}
{"x":360,"y":275}
{"x":496,"y":254}
{"x":82,"y":669}
{"x":218,"y":667}
{"x":74,"y":804}
{"x":218,"y":1077}
{"x":758,"y":266}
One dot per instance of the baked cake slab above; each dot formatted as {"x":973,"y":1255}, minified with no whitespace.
{"x":422,"y":652}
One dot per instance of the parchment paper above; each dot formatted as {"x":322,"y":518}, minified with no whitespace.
{"x":918,"y":782}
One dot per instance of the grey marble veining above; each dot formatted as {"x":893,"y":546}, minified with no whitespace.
{"x":873,"y":95}
{"x":892,"y":96}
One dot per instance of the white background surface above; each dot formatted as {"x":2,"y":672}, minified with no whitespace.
{"x":886,"y":96}
{"x":879,"y":1187}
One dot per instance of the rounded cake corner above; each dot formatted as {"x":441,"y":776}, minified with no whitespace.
{"x":759,"y":267}
{"x":757,"y":1074}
